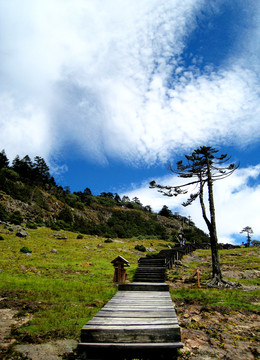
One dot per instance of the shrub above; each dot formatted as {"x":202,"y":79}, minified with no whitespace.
{"x":80,"y":236}
{"x":10,"y":174}
{"x":79,"y":205}
{"x":25,"y":250}
{"x":39,"y":221}
{"x":140,"y":248}
{"x":63,"y":225}
{"x":51,"y":224}
{"x":3,"y":214}
{"x":1,"y":237}
{"x":108,"y":241}
{"x":66,"y":216}
{"x":55,"y":227}
{"x":30,"y":225}
{"x":16,"y":218}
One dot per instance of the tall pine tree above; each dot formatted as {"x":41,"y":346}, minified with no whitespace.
{"x":202,"y":167}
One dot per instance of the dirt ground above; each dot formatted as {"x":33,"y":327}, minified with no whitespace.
{"x":210,"y":333}
{"x":10,"y":349}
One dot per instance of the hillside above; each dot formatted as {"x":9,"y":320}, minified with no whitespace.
{"x":29,"y":196}
{"x":51,"y":293}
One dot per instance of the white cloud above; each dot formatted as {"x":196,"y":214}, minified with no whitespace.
{"x":24,"y":129}
{"x":97,"y":73}
{"x":236,"y":202}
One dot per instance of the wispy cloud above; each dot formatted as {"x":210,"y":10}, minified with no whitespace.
{"x":109,"y":76}
{"x":236,"y":199}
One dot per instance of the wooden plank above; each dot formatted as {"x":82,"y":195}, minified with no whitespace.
{"x":133,"y":311}
{"x":140,"y":301}
{"x":132,"y":321}
{"x":155,"y":304}
{"x":132,"y":307}
{"x":136,"y":314}
{"x":130,"y":327}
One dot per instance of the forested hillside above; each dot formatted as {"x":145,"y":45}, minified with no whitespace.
{"x":29,"y":195}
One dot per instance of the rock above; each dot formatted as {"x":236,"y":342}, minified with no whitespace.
{"x":60,"y":236}
{"x":150,"y":249}
{"x":55,"y":350}
{"x":178,"y":262}
{"x":9,"y":319}
{"x":54,"y":251}
{"x":191,"y":258}
{"x":33,"y":269}
{"x":28,"y":254}
{"x":21,"y":234}
{"x":245,"y":274}
{"x":1,"y":270}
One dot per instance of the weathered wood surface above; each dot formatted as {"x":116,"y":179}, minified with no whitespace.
{"x":134,"y":317}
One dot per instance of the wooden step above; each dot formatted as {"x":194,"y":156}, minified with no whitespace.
{"x":152,"y":263}
{"x":130,"y":333}
{"x":144,"y":286}
{"x":122,"y":351}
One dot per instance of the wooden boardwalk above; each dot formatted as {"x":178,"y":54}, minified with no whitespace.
{"x":139,"y":322}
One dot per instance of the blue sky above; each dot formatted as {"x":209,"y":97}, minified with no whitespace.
{"x":109,"y":92}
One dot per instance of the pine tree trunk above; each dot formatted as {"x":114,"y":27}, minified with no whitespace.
{"x":216,"y":272}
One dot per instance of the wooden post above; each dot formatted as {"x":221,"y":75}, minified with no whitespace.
{"x":120,"y":273}
{"x":197,"y":273}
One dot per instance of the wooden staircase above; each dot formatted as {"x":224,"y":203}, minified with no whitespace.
{"x":139,"y":322}
{"x":150,"y":270}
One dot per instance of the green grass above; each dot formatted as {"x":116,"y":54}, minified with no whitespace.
{"x":62,"y":290}
{"x":237,"y":260}
{"x":233,"y":299}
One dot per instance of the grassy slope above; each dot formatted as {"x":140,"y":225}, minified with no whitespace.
{"x":62,"y":290}
{"x":234,"y":261}
{"x":218,"y":323}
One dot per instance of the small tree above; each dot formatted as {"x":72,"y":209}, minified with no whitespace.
{"x":248,"y":230}
{"x":203,"y":167}
{"x":165,"y":211}
{"x":41,"y":170}
{"x":4,"y":162}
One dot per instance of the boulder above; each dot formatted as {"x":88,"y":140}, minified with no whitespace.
{"x":21,"y":234}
